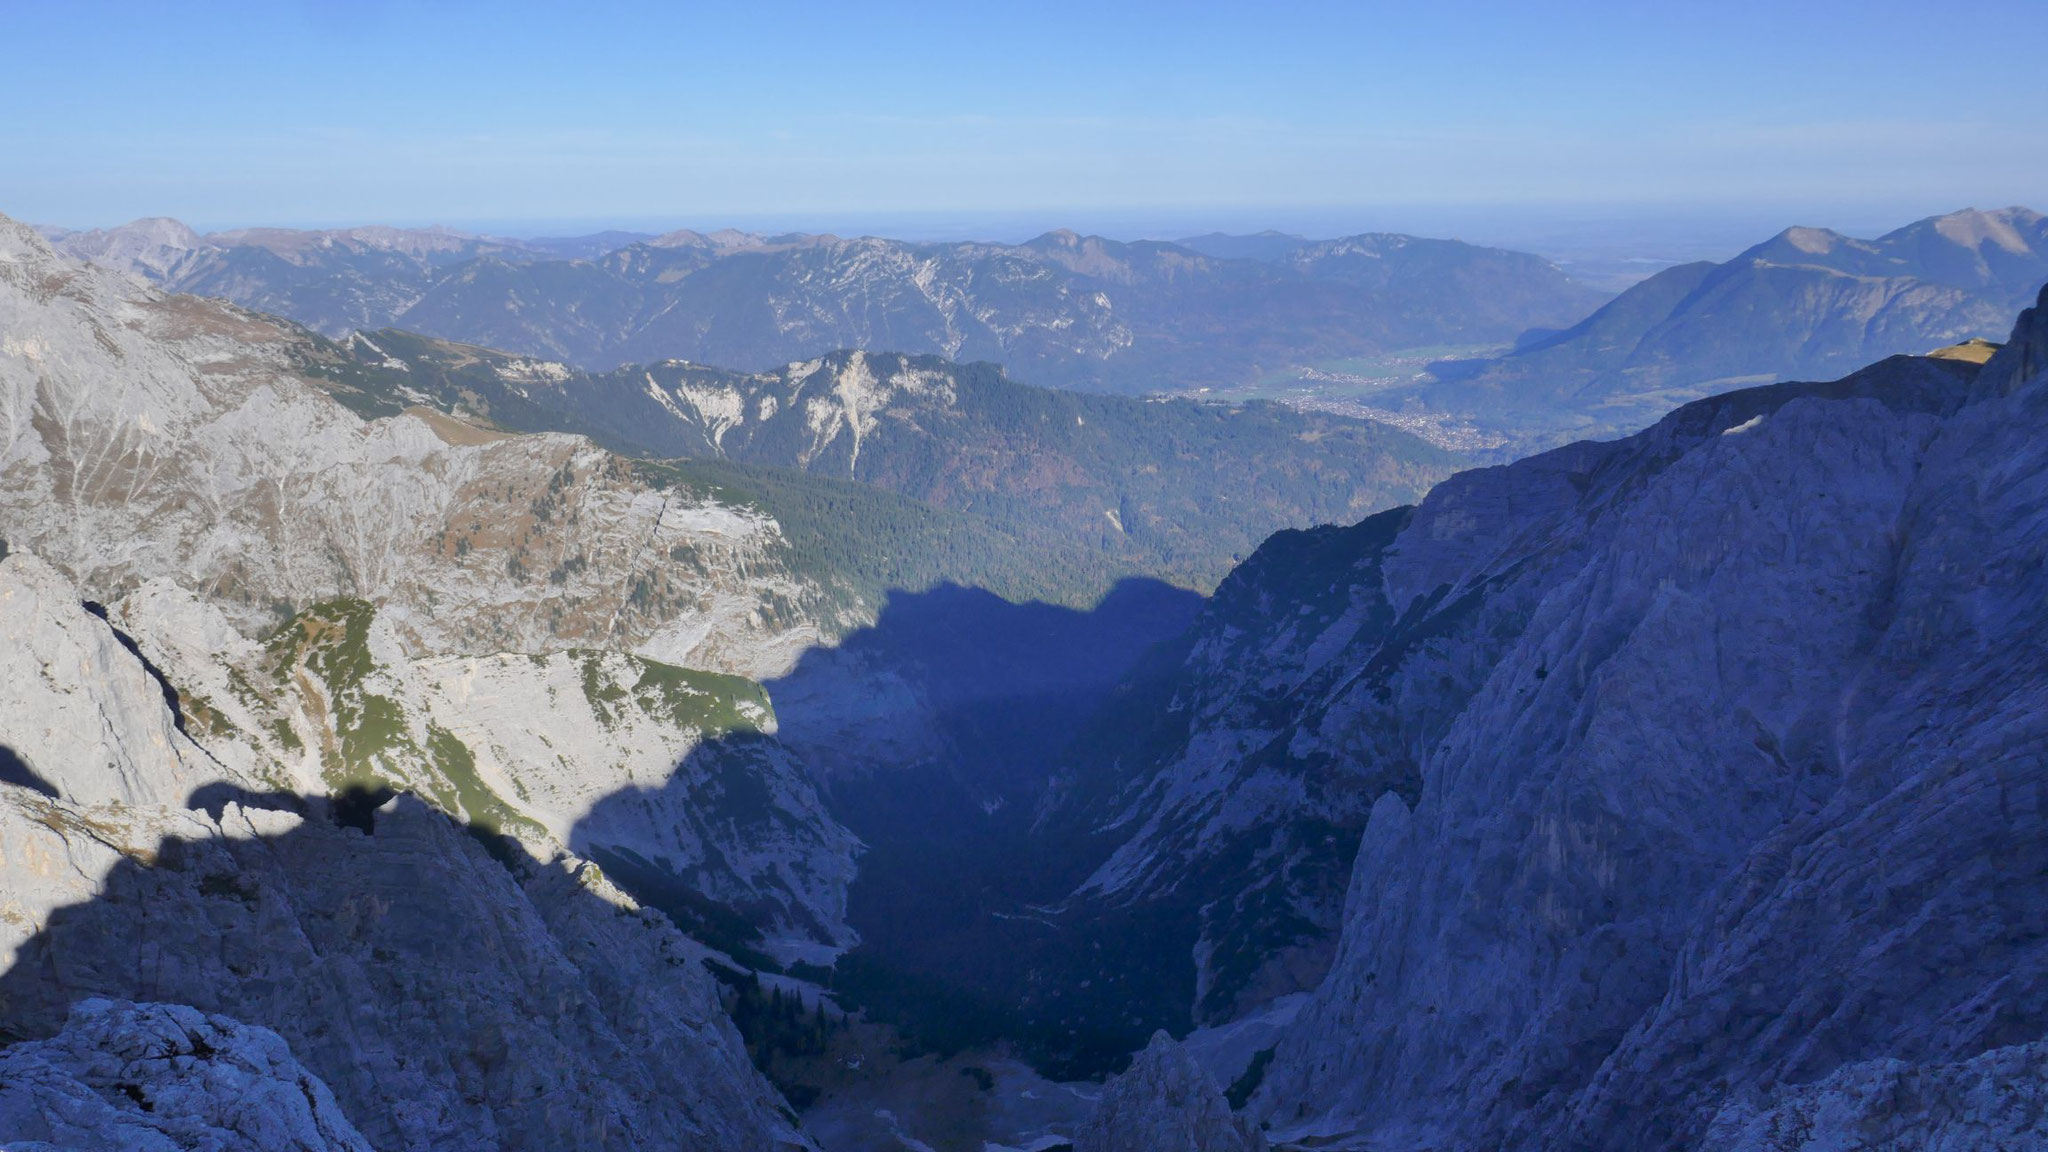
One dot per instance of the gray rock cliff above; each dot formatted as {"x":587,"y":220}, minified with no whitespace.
{"x":1728,"y":743}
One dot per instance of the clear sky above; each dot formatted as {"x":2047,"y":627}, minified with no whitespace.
{"x":969,"y":116}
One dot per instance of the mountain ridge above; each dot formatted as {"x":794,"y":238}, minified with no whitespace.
{"x":1060,"y":309}
{"x":1808,"y":303}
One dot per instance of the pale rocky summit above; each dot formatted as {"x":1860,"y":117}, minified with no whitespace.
{"x":155,"y":248}
{"x":1165,"y":1102}
{"x":125,"y":1077}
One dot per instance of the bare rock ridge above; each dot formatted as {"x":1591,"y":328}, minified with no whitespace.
{"x":1089,"y":487}
{"x":124,"y":1077}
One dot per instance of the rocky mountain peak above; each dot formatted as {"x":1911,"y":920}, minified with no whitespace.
{"x":154,"y":246}
{"x":1811,"y":241}
{"x":2005,"y":228}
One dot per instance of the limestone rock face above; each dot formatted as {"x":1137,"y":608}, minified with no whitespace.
{"x":1165,"y":1102}
{"x":157,"y":1077}
{"x":113,"y":742}
{"x":672,"y":774}
{"x":1993,"y":1102}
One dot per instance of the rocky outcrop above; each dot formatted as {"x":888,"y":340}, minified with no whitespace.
{"x":117,"y":743}
{"x":446,"y":1000}
{"x":1990,"y":1103}
{"x":125,"y":1077}
{"x":1165,"y":1102}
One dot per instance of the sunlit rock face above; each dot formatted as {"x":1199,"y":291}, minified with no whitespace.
{"x":1729,"y":745}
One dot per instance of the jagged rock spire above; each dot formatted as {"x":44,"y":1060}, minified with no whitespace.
{"x":1165,"y":1102}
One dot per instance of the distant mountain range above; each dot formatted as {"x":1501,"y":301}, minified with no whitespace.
{"x":1213,"y":311}
{"x":1807,"y":304}
{"x":1063,"y":309}
{"x":1041,"y":493}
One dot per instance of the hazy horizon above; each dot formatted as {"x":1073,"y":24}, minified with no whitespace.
{"x":1483,"y":121}
{"x":1592,"y":233}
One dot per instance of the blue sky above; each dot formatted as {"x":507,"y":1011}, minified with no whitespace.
{"x":1152,"y":117}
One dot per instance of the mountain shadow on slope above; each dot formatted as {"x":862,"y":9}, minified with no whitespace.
{"x":451,"y":992}
{"x":934,"y":735}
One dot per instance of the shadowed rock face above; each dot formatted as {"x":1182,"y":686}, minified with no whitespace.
{"x":1730,"y":743}
{"x":450,"y":999}
{"x":125,"y":1077}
